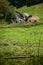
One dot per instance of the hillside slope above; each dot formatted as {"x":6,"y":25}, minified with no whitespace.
{"x":33,"y":10}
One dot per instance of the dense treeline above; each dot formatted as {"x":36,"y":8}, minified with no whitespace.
{"x":19,"y":3}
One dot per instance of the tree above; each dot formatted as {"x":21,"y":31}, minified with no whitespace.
{"x":4,"y":7}
{"x":32,"y":2}
{"x":20,"y":3}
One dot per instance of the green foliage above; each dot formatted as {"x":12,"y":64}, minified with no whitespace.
{"x":10,"y":14}
{"x":8,"y":17}
{"x":32,"y":2}
{"x":20,"y":3}
{"x":4,"y":7}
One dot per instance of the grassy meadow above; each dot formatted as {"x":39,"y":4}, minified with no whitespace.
{"x":23,"y":38}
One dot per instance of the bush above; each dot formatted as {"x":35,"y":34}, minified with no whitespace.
{"x":4,"y":7}
{"x":10,"y":15}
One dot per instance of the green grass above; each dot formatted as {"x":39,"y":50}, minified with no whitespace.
{"x":20,"y":34}
{"x":17,"y":41}
{"x":23,"y":37}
